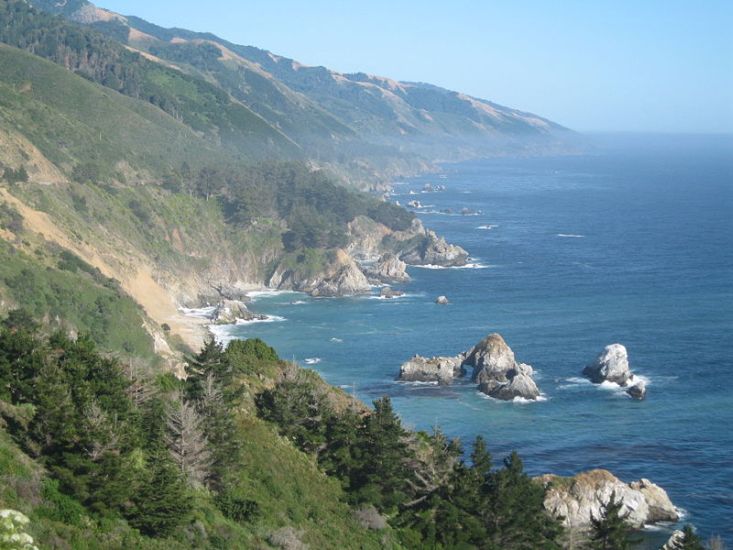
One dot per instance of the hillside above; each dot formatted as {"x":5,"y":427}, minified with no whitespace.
{"x":381,"y":125}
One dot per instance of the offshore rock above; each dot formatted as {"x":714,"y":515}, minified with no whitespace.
{"x":389,"y":293}
{"x":579,"y":499}
{"x":231,"y":311}
{"x":389,"y":269}
{"x":434,"y":250}
{"x":442,"y":300}
{"x":611,"y":365}
{"x":638,"y":389}
{"x":436,"y":369}
{"x":498,"y":373}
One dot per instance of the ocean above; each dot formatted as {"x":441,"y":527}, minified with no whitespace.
{"x":630,"y":243}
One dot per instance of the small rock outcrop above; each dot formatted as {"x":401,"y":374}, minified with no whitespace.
{"x":442,"y":370}
{"x":231,"y":311}
{"x":674,"y":542}
{"x":498,"y":373}
{"x":612,"y":365}
{"x":389,"y":269}
{"x":389,"y":293}
{"x":434,"y":250}
{"x":442,"y":300}
{"x":579,"y":499}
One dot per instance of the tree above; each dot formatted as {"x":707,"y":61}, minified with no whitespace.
{"x":610,"y":531}
{"x":381,"y":473}
{"x":687,"y":541}
{"x":161,"y":504}
{"x":187,"y":443}
{"x":514,"y":512}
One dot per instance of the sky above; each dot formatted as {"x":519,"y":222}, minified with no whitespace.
{"x":602,"y":65}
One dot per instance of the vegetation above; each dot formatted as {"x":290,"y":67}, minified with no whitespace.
{"x":418,"y":481}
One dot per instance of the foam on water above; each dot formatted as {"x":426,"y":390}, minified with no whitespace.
{"x":487,"y":227}
{"x":474,"y":265}
{"x":570,"y":236}
{"x":312,"y":360}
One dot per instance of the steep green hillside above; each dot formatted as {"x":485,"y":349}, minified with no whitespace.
{"x":203,"y":107}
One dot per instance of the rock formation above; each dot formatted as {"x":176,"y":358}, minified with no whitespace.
{"x":341,"y":277}
{"x":436,"y":369}
{"x":389,"y":293}
{"x":434,"y":250}
{"x":389,"y":269}
{"x":442,"y":300}
{"x":612,"y":365}
{"x":578,"y":499}
{"x":497,"y":372}
{"x":231,"y":311}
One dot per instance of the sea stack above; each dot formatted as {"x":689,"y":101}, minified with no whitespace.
{"x":436,"y":369}
{"x":498,"y":373}
{"x":612,"y":365}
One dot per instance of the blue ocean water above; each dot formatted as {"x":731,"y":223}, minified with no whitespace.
{"x":631,"y":243}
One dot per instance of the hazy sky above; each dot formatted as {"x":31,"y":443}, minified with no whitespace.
{"x":639,"y":65}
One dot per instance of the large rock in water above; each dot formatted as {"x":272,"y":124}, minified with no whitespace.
{"x":231,"y":311}
{"x":579,"y":499}
{"x":498,"y":373}
{"x":611,"y":365}
{"x":389,"y":269}
{"x":434,"y":250}
{"x":436,"y":369}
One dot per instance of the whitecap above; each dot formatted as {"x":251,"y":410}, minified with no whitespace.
{"x":199,"y":312}
{"x":267,"y":319}
{"x":487,"y":227}
{"x":312,"y":360}
{"x":517,"y":400}
{"x":298,"y":303}
{"x":474,"y":265}
{"x":418,"y":382}
{"x":336,"y":340}
{"x":269,"y":292}
{"x":570,"y":236}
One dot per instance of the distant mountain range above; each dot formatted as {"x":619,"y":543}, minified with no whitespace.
{"x":343,"y":119}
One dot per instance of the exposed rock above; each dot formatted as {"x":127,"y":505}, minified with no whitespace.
{"x":578,"y":499}
{"x":611,"y":365}
{"x":436,"y":369}
{"x":674,"y":542}
{"x":442,"y":300}
{"x":389,"y":269}
{"x":497,"y":372}
{"x":389,"y":293}
{"x":340,"y":277}
{"x":231,"y":311}
{"x":414,"y":204}
{"x":370,"y":518}
{"x":660,"y":506}
{"x":434,"y":250}
{"x":638,"y":389}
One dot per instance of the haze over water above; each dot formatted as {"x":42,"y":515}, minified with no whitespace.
{"x":629,"y":244}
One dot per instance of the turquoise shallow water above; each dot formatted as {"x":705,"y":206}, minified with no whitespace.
{"x":631,"y":243}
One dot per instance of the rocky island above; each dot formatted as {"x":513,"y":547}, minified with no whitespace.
{"x":612,"y":365}
{"x":495,"y":370}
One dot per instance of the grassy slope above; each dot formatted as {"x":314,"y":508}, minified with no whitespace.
{"x":74,"y":121}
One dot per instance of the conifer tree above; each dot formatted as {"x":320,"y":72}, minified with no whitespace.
{"x":187,"y":442}
{"x":610,"y":531}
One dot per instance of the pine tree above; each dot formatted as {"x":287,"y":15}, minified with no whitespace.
{"x":187,"y":442}
{"x":161,"y":503}
{"x":514,"y":512}
{"x":610,"y":531}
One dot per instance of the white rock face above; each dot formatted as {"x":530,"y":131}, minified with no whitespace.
{"x":389,"y":269}
{"x":611,"y":365}
{"x":436,"y":369}
{"x":498,"y":373}
{"x":580,"y":498}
